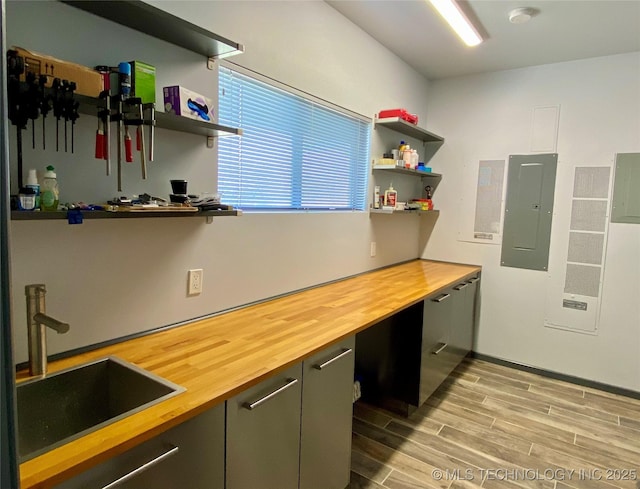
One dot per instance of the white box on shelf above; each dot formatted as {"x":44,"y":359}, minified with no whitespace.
{"x":183,"y":102}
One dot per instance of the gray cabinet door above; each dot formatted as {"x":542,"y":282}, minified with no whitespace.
{"x":263,"y":434}
{"x":463,"y":319}
{"x":189,"y":455}
{"x":464,"y":323}
{"x":327,"y":411}
{"x":437,"y":359}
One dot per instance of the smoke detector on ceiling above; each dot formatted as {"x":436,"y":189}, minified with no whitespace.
{"x":521,"y":15}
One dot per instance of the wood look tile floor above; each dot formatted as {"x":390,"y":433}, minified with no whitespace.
{"x":496,"y":427}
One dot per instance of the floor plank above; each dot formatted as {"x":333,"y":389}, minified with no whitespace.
{"x":595,"y":455}
{"x":486,"y":418}
{"x":398,"y":480}
{"x":360,"y":482}
{"x":370,"y":468}
{"x":398,"y":460}
{"x":630,"y":423}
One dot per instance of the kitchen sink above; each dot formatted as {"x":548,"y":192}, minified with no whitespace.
{"x":66,"y":405}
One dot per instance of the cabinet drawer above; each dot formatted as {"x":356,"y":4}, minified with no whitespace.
{"x":263,"y":434}
{"x":437,"y":359}
{"x":435,"y":367}
{"x":189,"y":455}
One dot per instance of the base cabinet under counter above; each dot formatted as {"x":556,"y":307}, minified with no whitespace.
{"x":189,"y":455}
{"x":293,"y":431}
{"x":263,"y":434}
{"x":403,"y":359}
{"x":327,"y":417}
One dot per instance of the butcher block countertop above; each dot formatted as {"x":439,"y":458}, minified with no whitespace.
{"x":218,"y":357}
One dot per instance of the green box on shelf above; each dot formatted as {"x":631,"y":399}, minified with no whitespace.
{"x":143,"y":81}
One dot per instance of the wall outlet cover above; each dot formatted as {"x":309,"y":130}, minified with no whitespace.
{"x":194,"y":283}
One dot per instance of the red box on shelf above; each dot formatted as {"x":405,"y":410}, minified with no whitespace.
{"x":402,"y":113}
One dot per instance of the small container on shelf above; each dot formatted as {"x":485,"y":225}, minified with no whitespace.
{"x":423,"y":204}
{"x":390,"y":196}
{"x":401,"y":113}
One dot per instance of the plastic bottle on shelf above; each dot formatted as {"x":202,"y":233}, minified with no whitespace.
{"x":390,"y":196}
{"x":414,"y":159}
{"x":50,"y":193}
{"x":401,"y":148}
{"x":406,"y":156}
{"x":32,"y":182}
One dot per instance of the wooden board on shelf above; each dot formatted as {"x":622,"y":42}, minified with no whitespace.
{"x":170,"y":208}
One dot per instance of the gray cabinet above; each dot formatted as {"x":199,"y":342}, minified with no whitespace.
{"x":263,"y":434}
{"x":447,"y":333}
{"x":437,"y":358}
{"x":464,"y":317}
{"x":189,"y":455}
{"x":405,"y":357}
{"x":294,"y":430}
{"x":327,"y":413}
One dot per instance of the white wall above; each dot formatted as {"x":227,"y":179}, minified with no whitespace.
{"x":112,"y":278}
{"x":489,"y":116}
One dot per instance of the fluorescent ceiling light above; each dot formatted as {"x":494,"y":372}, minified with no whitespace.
{"x":459,"y":23}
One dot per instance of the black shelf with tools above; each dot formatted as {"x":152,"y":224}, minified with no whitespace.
{"x":90,"y":106}
{"x":34,"y":93}
{"x":62,"y":215}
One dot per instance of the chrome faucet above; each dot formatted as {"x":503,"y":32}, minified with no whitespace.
{"x":37,"y":321}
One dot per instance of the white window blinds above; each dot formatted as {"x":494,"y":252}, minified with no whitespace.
{"x":294,"y":154}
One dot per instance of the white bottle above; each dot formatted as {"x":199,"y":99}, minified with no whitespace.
{"x":390,"y":196}
{"x":376,"y":197}
{"x":414,"y":159}
{"x":406,"y":156}
{"x":32,"y":182}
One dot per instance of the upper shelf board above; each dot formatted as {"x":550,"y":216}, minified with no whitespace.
{"x":407,"y":171}
{"x":90,"y":105}
{"x":411,"y":130}
{"x":160,"y":24}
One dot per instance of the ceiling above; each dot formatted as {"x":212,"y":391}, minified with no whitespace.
{"x":563,"y":30}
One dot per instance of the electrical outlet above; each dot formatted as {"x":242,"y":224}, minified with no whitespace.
{"x":195,"y":281}
{"x":373,"y":248}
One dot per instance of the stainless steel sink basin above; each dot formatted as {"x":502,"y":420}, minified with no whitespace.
{"x":66,"y":405}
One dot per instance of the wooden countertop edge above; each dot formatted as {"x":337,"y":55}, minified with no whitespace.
{"x":62,"y":463}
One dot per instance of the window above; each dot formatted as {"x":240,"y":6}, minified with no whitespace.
{"x":294,"y":154}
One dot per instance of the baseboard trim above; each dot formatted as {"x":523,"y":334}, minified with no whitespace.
{"x":558,"y":376}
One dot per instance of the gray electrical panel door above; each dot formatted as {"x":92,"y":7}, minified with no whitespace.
{"x":528,"y":211}
{"x":626,"y":196}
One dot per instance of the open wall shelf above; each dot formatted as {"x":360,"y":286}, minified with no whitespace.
{"x":403,"y":127}
{"x":62,"y":215}
{"x":155,"y":22}
{"x":394,"y":211}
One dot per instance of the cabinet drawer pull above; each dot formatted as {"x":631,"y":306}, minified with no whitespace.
{"x":461,"y":286}
{"x":473,"y":280}
{"x":440,"y":298}
{"x":142,"y":468}
{"x":344,"y":353}
{"x":255,"y":404}
{"x":442,"y":347}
